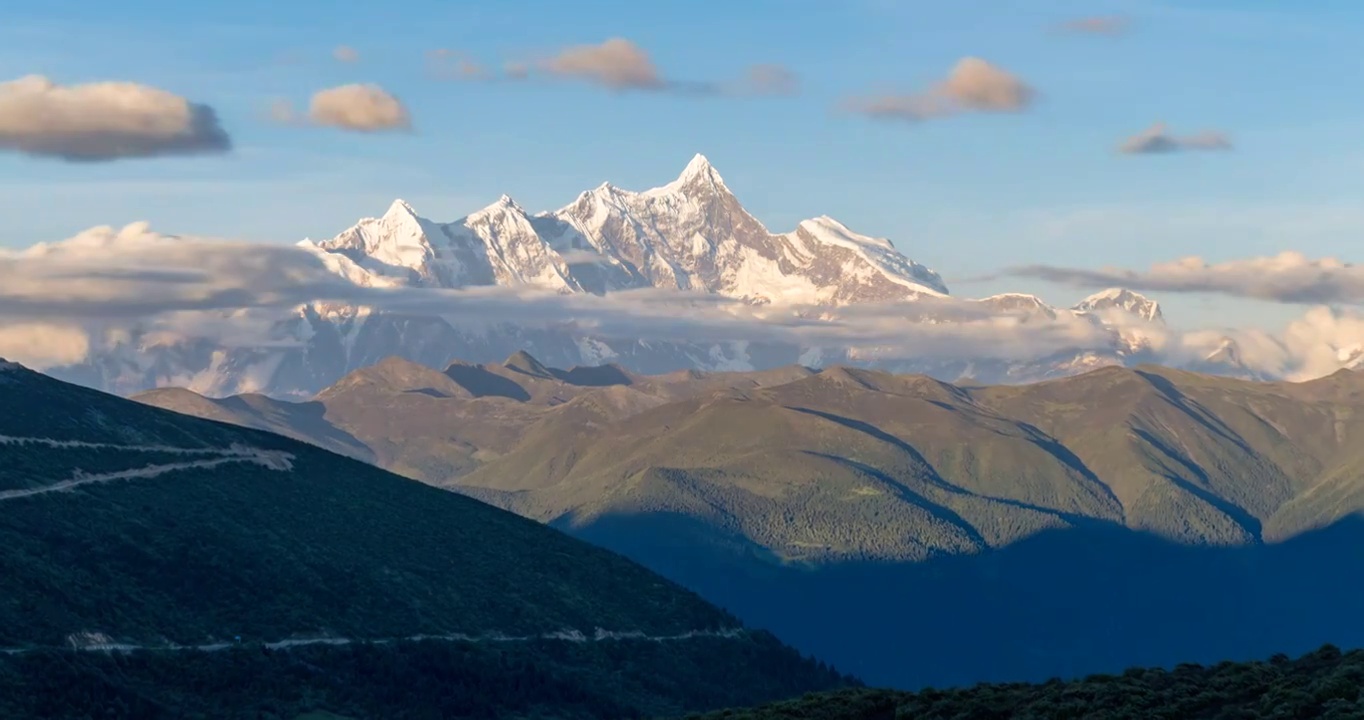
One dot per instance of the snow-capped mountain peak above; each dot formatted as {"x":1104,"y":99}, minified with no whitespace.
{"x":1021,"y":303}
{"x":867,"y":268}
{"x":832,"y":226}
{"x":503,"y":204}
{"x":699,"y":166}
{"x":396,"y":245}
{"x":699,"y":175}
{"x":689,"y":234}
{"x":400,"y":209}
{"x":509,"y":249}
{"x":1122,"y":299}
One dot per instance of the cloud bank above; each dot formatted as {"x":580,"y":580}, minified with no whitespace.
{"x":119,"y":276}
{"x":104,"y":121}
{"x":1157,"y":140}
{"x":973,"y":85}
{"x":61,"y":299}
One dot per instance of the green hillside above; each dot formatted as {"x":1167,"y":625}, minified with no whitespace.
{"x":855,"y":513}
{"x":1005,"y":533}
{"x":122,"y":523}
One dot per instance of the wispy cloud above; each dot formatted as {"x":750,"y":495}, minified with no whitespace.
{"x":768,"y":79}
{"x":346,"y":54}
{"x":973,"y":85}
{"x":444,"y":63}
{"x":104,"y":121}
{"x":1289,"y":277}
{"x":616,"y":64}
{"x":356,"y":108}
{"x":1109,"y":25}
{"x":1157,"y":139}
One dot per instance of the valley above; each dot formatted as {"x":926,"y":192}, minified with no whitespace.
{"x":416,"y":361}
{"x":854,"y":511}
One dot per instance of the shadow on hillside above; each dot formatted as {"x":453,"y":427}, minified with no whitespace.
{"x":307,"y":420}
{"x":481,"y":383}
{"x":594,"y":376}
{"x":1062,"y":603}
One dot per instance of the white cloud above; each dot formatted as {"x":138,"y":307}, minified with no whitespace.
{"x":43,"y":345}
{"x":1319,"y":342}
{"x":104,"y":121}
{"x":346,"y":54}
{"x":973,"y":85}
{"x":355,"y":108}
{"x":616,"y":63}
{"x":1323,"y":339}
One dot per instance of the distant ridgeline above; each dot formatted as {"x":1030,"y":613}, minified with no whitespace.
{"x":156,"y":565}
{"x":910,"y":531}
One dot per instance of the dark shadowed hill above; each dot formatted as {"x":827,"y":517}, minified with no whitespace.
{"x":1121,"y":517}
{"x":127,"y":527}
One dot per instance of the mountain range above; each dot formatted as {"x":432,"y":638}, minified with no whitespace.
{"x":196,"y":552}
{"x":1123,"y":516}
{"x":690,"y":236}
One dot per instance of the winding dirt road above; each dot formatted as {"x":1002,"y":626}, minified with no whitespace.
{"x":271,"y":459}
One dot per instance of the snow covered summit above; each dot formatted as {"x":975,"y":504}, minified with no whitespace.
{"x":689,"y":234}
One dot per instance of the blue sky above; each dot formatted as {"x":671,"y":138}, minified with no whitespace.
{"x":965,"y":195}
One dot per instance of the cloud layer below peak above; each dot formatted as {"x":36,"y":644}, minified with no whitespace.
{"x":64,"y":297}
